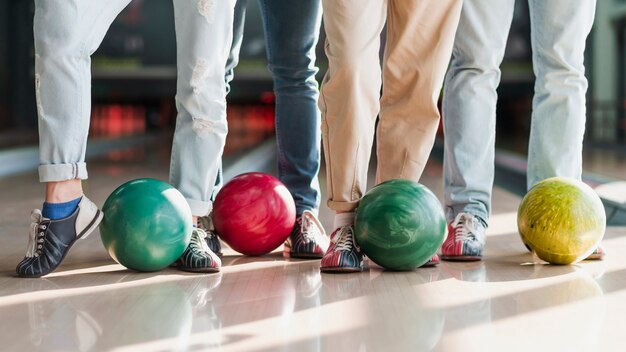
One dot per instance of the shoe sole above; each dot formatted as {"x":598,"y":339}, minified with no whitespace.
{"x":340,"y":270}
{"x":288,"y":253}
{"x":304,"y":255}
{"x":202,"y":270}
{"x":84,"y":234}
{"x":461,"y":258}
{"x":596,"y":256}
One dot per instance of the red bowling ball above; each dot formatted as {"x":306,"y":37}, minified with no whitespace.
{"x":254,"y":213}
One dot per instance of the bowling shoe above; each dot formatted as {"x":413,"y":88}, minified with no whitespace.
{"x":198,"y":257}
{"x":307,"y":239}
{"x":206,"y":223}
{"x":466,"y":239}
{"x":343,"y":255}
{"x":597,"y":254}
{"x":434,"y":261}
{"x":50,"y":240}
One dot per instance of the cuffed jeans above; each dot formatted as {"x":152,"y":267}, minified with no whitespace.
{"x":420,"y":35}
{"x":559,"y":29}
{"x":67,"y":32}
{"x":291,"y":34}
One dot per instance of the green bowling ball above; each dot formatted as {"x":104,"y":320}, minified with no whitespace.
{"x":400,"y":224}
{"x":147,"y":224}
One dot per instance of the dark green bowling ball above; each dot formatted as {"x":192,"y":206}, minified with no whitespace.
{"x":146,"y":225}
{"x":400,"y":224}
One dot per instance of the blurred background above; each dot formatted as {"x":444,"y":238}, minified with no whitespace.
{"x":134,"y":83}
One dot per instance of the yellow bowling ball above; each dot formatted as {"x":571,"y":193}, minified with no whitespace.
{"x":562,"y":220}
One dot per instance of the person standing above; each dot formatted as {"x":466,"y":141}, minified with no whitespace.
{"x":291,"y":31}
{"x":420,"y":35}
{"x":559,"y":29}
{"x":66,"y":33}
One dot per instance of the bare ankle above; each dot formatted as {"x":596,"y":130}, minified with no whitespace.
{"x":63,"y":191}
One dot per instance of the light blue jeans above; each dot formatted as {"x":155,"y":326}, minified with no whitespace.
{"x":291,"y":34}
{"x":559,"y":29}
{"x":67,"y":32}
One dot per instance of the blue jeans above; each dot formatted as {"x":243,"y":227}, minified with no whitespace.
{"x":291,"y":34}
{"x":559,"y":29}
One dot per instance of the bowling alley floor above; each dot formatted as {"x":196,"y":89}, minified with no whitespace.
{"x":504,"y":303}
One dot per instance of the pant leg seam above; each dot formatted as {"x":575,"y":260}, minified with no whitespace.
{"x":355,"y":195}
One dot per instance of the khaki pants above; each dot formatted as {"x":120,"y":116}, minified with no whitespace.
{"x":420,"y":34}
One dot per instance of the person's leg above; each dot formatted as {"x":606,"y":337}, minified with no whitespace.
{"x":204,"y":33}
{"x":469,"y":106}
{"x":349,"y":103}
{"x":469,"y":120}
{"x":66,"y":33}
{"x":350,"y":95}
{"x":291,"y":34}
{"x":206,"y":222}
{"x":558,"y":32}
{"x":204,"y":37}
{"x":420,"y":36}
{"x":239,"y":21}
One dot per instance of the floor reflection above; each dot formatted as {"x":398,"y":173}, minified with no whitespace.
{"x":267,"y":304}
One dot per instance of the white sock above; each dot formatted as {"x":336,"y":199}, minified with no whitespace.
{"x":343,"y":219}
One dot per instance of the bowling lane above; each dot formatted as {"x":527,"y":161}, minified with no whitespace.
{"x":270,"y":304}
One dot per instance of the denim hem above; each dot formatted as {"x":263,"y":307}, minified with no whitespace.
{"x":62,"y":172}
{"x":300,"y":210}
{"x":477,"y":211}
{"x":343,"y":206}
{"x":200,"y":208}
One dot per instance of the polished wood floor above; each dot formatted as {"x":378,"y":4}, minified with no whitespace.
{"x":507,"y":302}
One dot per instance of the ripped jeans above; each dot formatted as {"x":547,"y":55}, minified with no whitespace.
{"x":67,"y":32}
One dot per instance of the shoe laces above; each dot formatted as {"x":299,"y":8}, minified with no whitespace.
{"x":36,"y":234}
{"x":466,"y":227}
{"x":310,"y":226}
{"x":344,"y":239}
{"x":198,"y":238}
